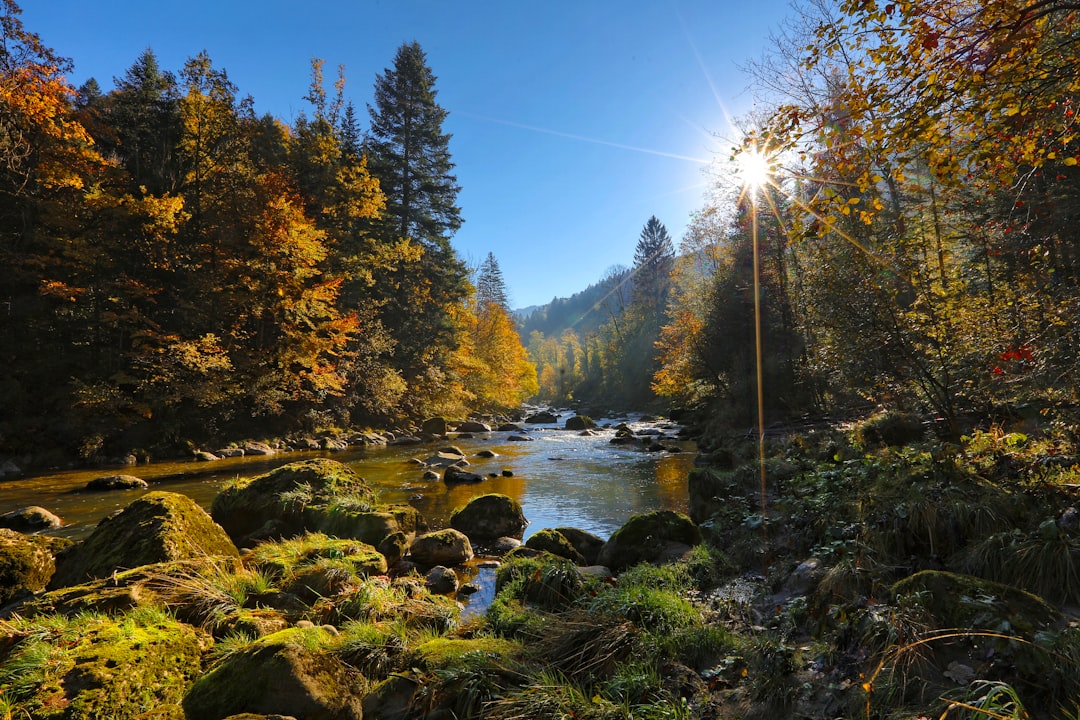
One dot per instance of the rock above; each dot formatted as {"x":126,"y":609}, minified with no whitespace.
{"x":444,"y":459}
{"x":298,"y":496}
{"x":452,"y":450}
{"x":510,"y":427}
{"x":473,"y":426}
{"x":600,"y":572}
{"x":454,"y":474}
{"x":286,"y":673}
{"x":554,"y":542}
{"x":135,"y":666}
{"x":441,"y":580}
{"x":542,"y":418}
{"x":710,"y":491}
{"x":8,"y":468}
{"x":442,"y":547}
{"x":30,"y":519}
{"x":520,"y":438}
{"x":487,"y":454}
{"x":503,"y":545}
{"x":373,"y":526}
{"x":584,"y":542}
{"x":27,"y":562}
{"x":653,"y":537}
{"x":158,"y":527}
{"x":507,"y":473}
{"x":229,"y":452}
{"x":258,"y":448}
{"x":431,"y":475}
{"x":434,"y":426}
{"x":490,"y":516}
{"x":298,"y":561}
{"x":1069,"y":520}
{"x":117,"y":482}
{"x":579,"y":422}
{"x":204,"y":456}
{"x":805,"y":577}
{"x":391,"y":699}
{"x":406,"y":440}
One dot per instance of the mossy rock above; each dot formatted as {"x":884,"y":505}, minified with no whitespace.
{"x":294,"y":498}
{"x":158,"y":527}
{"x":391,"y":699}
{"x":286,"y":559}
{"x":121,"y":591}
{"x":446,"y":653}
{"x":653,"y":537}
{"x":891,"y":428}
{"x":290,"y":672}
{"x":489,"y":517}
{"x":957,"y":600}
{"x":556,"y":543}
{"x":584,"y":542}
{"x":370,"y":526}
{"x":27,"y":562}
{"x":442,"y":547}
{"x":580,"y":422}
{"x":134,"y":666}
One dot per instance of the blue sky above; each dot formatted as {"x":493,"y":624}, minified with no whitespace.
{"x":573,"y":121}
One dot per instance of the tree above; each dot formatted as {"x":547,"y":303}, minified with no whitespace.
{"x":490,"y":286}
{"x":409,"y":154}
{"x":653,"y":258}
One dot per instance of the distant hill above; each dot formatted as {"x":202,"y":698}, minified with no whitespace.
{"x":584,"y":312}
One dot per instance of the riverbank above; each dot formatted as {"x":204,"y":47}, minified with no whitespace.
{"x":878,"y":576}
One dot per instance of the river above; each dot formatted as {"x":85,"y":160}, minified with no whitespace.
{"x":562,"y":478}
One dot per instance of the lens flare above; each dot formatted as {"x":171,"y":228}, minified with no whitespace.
{"x":754,"y":168}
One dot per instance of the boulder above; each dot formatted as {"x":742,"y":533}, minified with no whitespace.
{"x":258,"y":448}
{"x":27,"y":562}
{"x":117,"y":482}
{"x":296,"y":497}
{"x":442,"y":547}
{"x":286,"y":673}
{"x":434,"y":426}
{"x":372,"y":526}
{"x":443,"y":459}
{"x":158,"y":527}
{"x":542,"y":418}
{"x":503,"y":545}
{"x":122,"y":668}
{"x":473,"y":426}
{"x":584,"y":542}
{"x":579,"y":422}
{"x":520,"y":438}
{"x":204,"y":456}
{"x":487,"y":454}
{"x":391,"y":699}
{"x":30,"y":519}
{"x":654,"y":537}
{"x":511,"y":427}
{"x":454,"y":474}
{"x":8,"y":468}
{"x":441,"y":580}
{"x":229,"y":452}
{"x":489,"y":517}
{"x":555,"y":542}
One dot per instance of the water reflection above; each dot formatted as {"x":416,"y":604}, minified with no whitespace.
{"x":561,"y":479}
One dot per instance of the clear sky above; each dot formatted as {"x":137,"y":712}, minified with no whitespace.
{"x":573,"y":121}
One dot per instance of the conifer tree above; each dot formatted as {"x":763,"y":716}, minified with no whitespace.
{"x":490,"y":286}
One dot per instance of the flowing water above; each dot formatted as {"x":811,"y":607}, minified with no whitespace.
{"x":562,"y":478}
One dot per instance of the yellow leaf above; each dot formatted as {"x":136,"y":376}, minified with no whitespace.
{"x":1009,"y":112}
{"x":854,"y":201}
{"x":1069,"y":161}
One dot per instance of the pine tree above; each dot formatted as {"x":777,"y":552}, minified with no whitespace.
{"x":490,"y":286}
{"x":409,"y":154}
{"x":653,"y":259}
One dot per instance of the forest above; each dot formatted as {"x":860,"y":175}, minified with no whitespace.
{"x":914,"y":245}
{"x":175,"y":267}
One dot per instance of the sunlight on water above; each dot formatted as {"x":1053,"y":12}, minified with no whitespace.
{"x":561,"y":479}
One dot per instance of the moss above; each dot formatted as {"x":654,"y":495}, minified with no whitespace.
{"x":27,"y":562}
{"x":158,"y":527}
{"x":287,"y":559}
{"x":643,"y":537}
{"x":963,"y":601}
{"x":291,"y":672}
{"x":556,"y":543}
{"x":490,"y":516}
{"x":94,"y":666}
{"x":442,"y":653}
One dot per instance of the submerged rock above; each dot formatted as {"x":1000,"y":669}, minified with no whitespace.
{"x":116,"y":482}
{"x":158,"y":527}
{"x":455,"y":474}
{"x":489,"y":517}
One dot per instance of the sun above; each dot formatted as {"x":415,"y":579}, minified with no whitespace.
{"x":754,"y":169}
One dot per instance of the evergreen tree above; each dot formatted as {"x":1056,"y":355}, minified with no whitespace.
{"x":653,"y":260}
{"x":409,"y":155}
{"x":349,"y":132}
{"x":490,"y":287}
{"x":145,"y":115}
